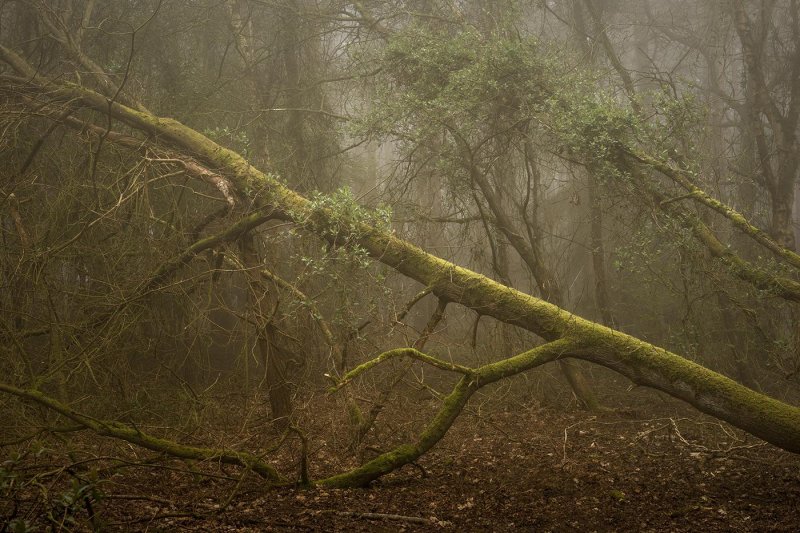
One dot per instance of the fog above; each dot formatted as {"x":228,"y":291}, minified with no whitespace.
{"x":509,"y":265}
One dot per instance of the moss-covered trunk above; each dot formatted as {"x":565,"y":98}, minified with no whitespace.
{"x":644,"y":363}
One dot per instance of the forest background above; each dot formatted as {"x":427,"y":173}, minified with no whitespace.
{"x":306,"y":238}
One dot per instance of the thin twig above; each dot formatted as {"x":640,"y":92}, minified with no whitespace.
{"x":381,"y":516}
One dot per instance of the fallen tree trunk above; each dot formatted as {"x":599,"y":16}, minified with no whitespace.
{"x":712,"y":393}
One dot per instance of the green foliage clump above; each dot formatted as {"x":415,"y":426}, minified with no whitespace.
{"x":451,"y":100}
{"x":235,"y":139}
{"x":590,"y":124}
{"x":456,"y":100}
{"x":347,"y":214}
{"x":436,"y":81}
{"x":345,"y":221}
{"x":676,"y":124}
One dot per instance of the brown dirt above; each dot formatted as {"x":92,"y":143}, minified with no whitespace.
{"x":531,"y":469}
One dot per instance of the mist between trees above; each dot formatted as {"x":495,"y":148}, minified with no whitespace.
{"x":224,"y":213}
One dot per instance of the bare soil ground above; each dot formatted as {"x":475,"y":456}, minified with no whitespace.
{"x":657,"y":467}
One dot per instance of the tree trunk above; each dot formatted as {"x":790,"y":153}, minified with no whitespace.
{"x":598,"y":253}
{"x":643,"y":363}
{"x":782,"y":202}
{"x":279,"y":390}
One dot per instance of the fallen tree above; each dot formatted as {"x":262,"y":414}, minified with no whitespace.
{"x":566,"y":335}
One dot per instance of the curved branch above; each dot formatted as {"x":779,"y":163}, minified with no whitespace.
{"x":451,"y":407}
{"x":324,"y":326}
{"x":413,"y":353}
{"x":124,"y":432}
{"x":433,"y":321}
{"x":412,"y":302}
{"x":231,"y":233}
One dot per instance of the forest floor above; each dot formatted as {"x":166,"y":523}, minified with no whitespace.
{"x":656,"y":466}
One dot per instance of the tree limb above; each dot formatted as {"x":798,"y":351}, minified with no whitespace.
{"x":124,"y":432}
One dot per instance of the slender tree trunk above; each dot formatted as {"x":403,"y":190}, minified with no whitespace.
{"x":292,"y":52}
{"x":782,"y":201}
{"x":279,"y":390}
{"x":601,"y":297}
